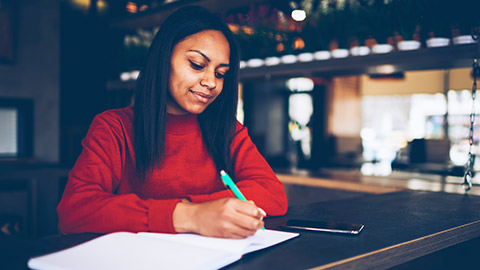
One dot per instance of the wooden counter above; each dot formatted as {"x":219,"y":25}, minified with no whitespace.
{"x":399,"y":228}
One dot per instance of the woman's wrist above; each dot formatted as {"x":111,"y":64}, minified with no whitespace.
{"x":182,"y":217}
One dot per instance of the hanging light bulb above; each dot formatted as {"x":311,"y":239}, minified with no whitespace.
{"x":299,"y":15}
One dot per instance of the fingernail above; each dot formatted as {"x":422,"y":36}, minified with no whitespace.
{"x":262,"y":211}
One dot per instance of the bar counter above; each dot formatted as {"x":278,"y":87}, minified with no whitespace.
{"x":407,"y":218}
{"x":399,"y":228}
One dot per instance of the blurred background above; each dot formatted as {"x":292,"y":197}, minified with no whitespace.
{"x":366,"y":92}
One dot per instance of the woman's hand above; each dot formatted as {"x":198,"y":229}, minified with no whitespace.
{"x":226,"y":218}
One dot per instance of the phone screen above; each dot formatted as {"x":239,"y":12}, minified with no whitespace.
{"x":323,"y":226}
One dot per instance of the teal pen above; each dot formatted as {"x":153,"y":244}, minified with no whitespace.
{"x":231,"y":185}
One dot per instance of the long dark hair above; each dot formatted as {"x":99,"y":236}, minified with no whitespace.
{"x":217,"y":121}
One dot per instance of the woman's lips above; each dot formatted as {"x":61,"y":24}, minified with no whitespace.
{"x":202,"y":97}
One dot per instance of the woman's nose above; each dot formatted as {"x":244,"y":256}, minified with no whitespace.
{"x":208,"y":80}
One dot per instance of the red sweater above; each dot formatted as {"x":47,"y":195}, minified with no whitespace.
{"x":103,"y":193}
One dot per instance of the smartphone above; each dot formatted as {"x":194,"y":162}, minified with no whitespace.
{"x":323,"y":226}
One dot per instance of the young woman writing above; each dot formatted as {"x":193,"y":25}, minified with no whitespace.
{"x":155,"y":166}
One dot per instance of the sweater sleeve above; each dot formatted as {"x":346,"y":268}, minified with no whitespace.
{"x":89,"y":202}
{"x":253,"y":176}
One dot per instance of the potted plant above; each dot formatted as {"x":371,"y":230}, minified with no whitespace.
{"x":464,"y":20}
{"x":256,"y":33}
{"x":436,"y":22}
{"x":340,"y":29}
{"x":378,"y":16}
{"x":360,"y":32}
{"x":307,"y":35}
{"x":406,"y":18}
{"x":322,"y":19}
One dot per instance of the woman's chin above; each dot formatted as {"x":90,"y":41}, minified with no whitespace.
{"x":196,"y":109}
{"x":193,"y":109}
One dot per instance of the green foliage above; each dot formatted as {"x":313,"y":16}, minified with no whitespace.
{"x":257,"y":31}
{"x":360,"y":26}
{"x":341,"y":23}
{"x":135,"y":49}
{"x":406,"y":17}
{"x":318,"y":25}
{"x":465,"y":14}
{"x":342,"y":20}
{"x":323,"y":19}
{"x":378,"y":16}
{"x":437,"y":17}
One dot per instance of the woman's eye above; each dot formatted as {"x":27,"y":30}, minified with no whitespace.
{"x":196,"y":66}
{"x":219,"y":75}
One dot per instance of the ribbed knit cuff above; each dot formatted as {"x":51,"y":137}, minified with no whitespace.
{"x":160,"y":215}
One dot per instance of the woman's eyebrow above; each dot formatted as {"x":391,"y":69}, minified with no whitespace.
{"x":206,"y":57}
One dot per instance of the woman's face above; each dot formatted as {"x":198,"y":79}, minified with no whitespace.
{"x":198,"y":66}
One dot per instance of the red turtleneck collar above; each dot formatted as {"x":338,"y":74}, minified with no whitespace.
{"x":181,"y":124}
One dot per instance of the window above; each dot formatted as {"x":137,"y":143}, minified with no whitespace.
{"x":16,"y":128}
{"x":8,"y":132}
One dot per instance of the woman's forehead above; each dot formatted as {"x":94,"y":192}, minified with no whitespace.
{"x":211,"y":43}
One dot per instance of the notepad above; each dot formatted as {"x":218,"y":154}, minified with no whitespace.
{"x":125,"y":250}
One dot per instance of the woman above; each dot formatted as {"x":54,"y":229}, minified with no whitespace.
{"x":155,"y":167}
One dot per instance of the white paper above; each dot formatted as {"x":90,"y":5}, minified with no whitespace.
{"x":125,"y":250}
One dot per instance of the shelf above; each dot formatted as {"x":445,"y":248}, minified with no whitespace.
{"x":155,"y":16}
{"x":455,"y":56}
{"x":432,"y":58}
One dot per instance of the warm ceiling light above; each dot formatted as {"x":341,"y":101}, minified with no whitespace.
{"x":234,"y":28}
{"x":299,"y":15}
{"x":81,"y":4}
{"x":84,"y":5}
{"x":143,"y":8}
{"x":247,"y":30}
{"x":298,"y":44}
{"x":280,"y":47}
{"x":132,"y":7}
{"x":101,"y":5}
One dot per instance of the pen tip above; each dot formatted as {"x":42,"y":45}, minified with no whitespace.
{"x":222,"y":172}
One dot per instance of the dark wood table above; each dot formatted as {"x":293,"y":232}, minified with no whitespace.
{"x":399,"y":227}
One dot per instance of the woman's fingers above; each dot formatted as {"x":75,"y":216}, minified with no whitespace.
{"x":264,"y":214}
{"x":245,"y":215}
{"x":238,"y":231}
{"x":254,"y":212}
{"x":227,"y":217}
